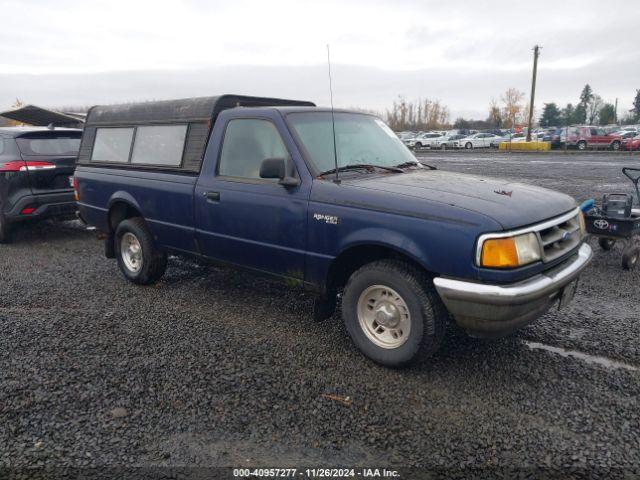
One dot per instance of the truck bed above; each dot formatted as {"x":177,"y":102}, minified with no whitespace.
{"x":165,"y":200}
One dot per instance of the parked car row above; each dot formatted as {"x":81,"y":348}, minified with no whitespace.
{"x":580,"y":137}
{"x":455,"y":139}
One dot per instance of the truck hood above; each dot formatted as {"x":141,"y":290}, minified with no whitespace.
{"x":511,"y":204}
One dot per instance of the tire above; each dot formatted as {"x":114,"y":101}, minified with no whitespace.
{"x":417,"y":146}
{"x":468,"y":145}
{"x":615,"y":145}
{"x":582,"y":145}
{"x":5,"y":230}
{"x":443,"y":146}
{"x":630,"y":257}
{"x":143,"y":266}
{"x":606,"y":244}
{"x":425,"y":315}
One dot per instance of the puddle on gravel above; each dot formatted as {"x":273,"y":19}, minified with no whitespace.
{"x":595,"y":359}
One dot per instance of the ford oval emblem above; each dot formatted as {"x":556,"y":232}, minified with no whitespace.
{"x":565,"y":236}
{"x":601,"y":224}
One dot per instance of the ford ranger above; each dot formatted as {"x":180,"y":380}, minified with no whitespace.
{"x":331,"y":201}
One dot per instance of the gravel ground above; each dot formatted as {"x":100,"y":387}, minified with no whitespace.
{"x":212,"y":367}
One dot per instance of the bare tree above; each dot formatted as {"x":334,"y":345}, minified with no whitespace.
{"x":513,"y":108}
{"x":495,"y":115}
{"x":593,"y":108}
{"x":417,"y":115}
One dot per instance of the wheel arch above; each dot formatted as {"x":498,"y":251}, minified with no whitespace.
{"x":355,"y":255}
{"x":120,"y":207}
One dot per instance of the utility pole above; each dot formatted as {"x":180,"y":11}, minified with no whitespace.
{"x":615,"y":113}
{"x":536,"y":52}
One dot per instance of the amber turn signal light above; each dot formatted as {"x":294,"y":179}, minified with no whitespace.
{"x":499,"y":253}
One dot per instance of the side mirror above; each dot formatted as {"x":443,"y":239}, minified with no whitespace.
{"x":277,"y":168}
{"x":273,"y":168}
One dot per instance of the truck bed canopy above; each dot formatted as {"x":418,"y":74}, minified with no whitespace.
{"x":199,"y":113}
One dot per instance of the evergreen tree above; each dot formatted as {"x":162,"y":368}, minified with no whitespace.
{"x":607,"y":114}
{"x":586,"y":95}
{"x":551,"y":115}
{"x":579,"y":114}
{"x":567,"y":115}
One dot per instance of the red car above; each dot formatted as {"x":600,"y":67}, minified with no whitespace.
{"x":589,"y":136}
{"x":631,"y":143}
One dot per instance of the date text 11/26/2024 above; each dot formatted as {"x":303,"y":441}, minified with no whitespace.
{"x":315,"y":473}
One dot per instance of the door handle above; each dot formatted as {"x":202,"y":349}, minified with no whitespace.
{"x":213,"y":196}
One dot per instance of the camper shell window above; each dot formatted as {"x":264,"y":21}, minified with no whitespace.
{"x":167,"y":134}
{"x":112,"y":145}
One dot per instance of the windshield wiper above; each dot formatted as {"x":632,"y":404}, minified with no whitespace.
{"x":360,"y":166}
{"x":415,"y":164}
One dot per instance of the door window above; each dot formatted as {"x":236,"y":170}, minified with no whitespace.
{"x":247,"y":142}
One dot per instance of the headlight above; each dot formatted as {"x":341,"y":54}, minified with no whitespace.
{"x":510,"y":252}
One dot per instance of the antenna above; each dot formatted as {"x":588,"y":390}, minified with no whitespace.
{"x":333,"y":120}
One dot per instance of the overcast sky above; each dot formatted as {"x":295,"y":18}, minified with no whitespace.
{"x":67,"y":52}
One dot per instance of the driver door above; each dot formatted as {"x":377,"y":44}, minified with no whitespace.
{"x":246,"y":220}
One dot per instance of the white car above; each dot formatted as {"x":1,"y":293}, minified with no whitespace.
{"x":447,"y":141}
{"x":424,"y":140}
{"x":479,"y":140}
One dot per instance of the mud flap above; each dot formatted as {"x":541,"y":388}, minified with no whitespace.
{"x":324,"y":307}
{"x":109,"y":247}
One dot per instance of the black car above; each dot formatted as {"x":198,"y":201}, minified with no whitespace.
{"x":36,"y":174}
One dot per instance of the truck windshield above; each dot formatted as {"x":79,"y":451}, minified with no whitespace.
{"x":360,"y":139}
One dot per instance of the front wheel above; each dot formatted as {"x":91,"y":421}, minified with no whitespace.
{"x":582,"y":145}
{"x":443,"y":146}
{"x":393,"y":313}
{"x":615,"y":145}
{"x":138,"y":258}
{"x":417,"y":146}
{"x":468,"y":145}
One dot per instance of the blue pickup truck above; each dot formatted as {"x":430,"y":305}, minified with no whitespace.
{"x":331,"y":201}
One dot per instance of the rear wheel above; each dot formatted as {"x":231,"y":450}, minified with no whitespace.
{"x":630,"y":257}
{"x":468,"y":145}
{"x":4,"y":230}
{"x":606,"y":243}
{"x":393,"y":313}
{"x":138,"y":258}
{"x":582,"y":145}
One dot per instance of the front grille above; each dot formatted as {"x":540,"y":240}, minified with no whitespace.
{"x":559,"y":239}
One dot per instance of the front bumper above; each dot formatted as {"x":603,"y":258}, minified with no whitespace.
{"x":496,"y":310}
